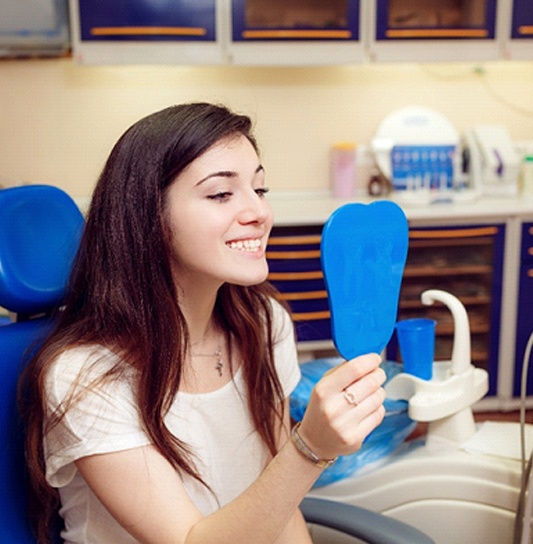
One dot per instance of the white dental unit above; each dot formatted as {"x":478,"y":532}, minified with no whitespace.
{"x":461,"y":483}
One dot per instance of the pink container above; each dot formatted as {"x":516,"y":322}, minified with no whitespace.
{"x":342,"y":176}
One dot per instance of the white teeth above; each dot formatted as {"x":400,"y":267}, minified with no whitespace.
{"x":246,"y":245}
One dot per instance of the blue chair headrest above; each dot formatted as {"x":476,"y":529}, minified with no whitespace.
{"x":40,"y":230}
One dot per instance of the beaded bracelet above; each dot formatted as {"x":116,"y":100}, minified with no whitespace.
{"x":310,"y":455}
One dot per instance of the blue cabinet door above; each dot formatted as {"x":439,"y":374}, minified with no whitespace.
{"x":296,"y":32}
{"x":434,"y":30}
{"x":435,"y":20}
{"x":146,"y":20}
{"x":524,"y":325}
{"x":295,"y":20}
{"x":522,"y":23}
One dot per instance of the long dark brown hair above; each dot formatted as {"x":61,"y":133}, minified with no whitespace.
{"x":121,"y":293}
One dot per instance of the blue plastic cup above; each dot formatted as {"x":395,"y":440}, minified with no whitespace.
{"x":416,"y":338}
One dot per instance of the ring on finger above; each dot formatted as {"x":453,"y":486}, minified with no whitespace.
{"x":350,"y":397}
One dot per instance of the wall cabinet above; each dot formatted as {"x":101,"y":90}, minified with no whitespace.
{"x":434,"y":30}
{"x":254,"y":32}
{"x":298,"y":32}
{"x":145,"y":32}
{"x":295,"y":32}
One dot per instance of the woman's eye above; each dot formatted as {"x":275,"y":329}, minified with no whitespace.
{"x":222,"y":196}
{"x":262,"y":191}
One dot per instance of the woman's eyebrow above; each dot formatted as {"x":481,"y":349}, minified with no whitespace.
{"x":226,"y":174}
{"x":220,"y":174}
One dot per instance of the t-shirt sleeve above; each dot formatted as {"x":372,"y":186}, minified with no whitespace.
{"x":102,"y":416}
{"x":285,"y":353}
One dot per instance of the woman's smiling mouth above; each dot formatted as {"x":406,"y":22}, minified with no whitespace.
{"x":245,"y":245}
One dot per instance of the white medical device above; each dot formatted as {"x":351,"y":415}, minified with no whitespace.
{"x":494,"y":161}
{"x":462,"y":482}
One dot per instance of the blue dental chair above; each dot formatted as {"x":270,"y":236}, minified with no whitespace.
{"x":40,"y":228}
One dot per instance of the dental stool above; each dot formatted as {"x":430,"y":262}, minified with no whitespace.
{"x":40,"y":229}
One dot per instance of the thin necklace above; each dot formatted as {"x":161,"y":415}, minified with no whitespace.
{"x":219,"y":365}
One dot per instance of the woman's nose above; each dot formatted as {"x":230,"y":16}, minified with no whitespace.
{"x":256,"y":209}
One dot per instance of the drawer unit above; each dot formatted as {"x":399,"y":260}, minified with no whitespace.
{"x":466,"y":262}
{"x":293,"y":255}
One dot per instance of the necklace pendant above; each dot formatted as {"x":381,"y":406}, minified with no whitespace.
{"x":219,"y":367}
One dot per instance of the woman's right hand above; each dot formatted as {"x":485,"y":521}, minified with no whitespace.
{"x":345,"y":406}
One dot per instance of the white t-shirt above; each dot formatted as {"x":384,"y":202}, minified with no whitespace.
{"x":229,"y":454}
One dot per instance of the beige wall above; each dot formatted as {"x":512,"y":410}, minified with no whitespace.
{"x":58,"y":120}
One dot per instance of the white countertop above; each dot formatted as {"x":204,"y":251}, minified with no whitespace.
{"x":311,"y":208}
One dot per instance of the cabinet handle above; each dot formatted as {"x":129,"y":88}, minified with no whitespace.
{"x":459,"y":233}
{"x":311,"y":316}
{"x":148,"y":31}
{"x":530,"y":273}
{"x":311,"y":254}
{"x":437,"y":33}
{"x":304,"y":239}
{"x":288,"y":276}
{"x":298,"y":34}
{"x":304,"y":295}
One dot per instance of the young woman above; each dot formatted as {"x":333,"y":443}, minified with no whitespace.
{"x":159,"y":406}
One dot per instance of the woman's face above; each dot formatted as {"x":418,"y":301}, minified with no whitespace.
{"x":219,"y":218}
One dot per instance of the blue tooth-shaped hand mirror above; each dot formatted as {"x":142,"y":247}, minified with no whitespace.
{"x":363,"y":252}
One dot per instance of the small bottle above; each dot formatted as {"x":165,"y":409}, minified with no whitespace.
{"x":378,"y":184}
{"x":527,"y":175}
{"x":342,"y":172}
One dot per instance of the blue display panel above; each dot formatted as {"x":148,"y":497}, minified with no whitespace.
{"x":422,"y":166}
{"x":147,"y":20}
{"x":295,"y":20}
{"x":522,"y":26}
{"x":444,"y":20}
